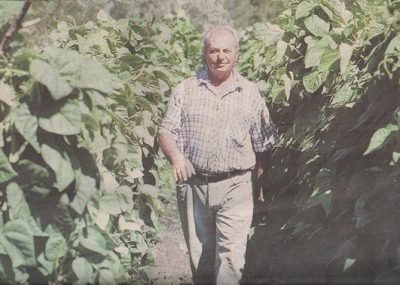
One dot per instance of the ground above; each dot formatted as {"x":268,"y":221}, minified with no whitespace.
{"x":172,"y":259}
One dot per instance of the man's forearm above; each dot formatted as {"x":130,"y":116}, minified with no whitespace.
{"x":183,"y":168}
{"x":169,"y":146}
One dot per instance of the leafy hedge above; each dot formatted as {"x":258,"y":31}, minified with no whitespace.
{"x":81,"y":183}
{"x":331,"y":77}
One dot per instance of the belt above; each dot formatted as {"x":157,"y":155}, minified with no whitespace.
{"x":214,"y":177}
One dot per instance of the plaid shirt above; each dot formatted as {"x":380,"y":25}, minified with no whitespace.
{"x":219,"y":133}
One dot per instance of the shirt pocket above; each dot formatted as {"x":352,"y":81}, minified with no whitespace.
{"x":239,"y":131}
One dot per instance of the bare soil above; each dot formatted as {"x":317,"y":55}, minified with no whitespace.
{"x":171,"y":256}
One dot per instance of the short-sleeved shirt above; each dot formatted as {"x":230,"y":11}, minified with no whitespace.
{"x":219,"y":133}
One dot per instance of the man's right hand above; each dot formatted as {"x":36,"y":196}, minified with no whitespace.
{"x":183,"y":168}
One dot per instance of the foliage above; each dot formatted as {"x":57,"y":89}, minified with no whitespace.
{"x":248,"y":12}
{"x":81,"y":184}
{"x":331,"y":78}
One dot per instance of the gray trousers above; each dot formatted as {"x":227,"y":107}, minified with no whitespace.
{"x":216,"y":219}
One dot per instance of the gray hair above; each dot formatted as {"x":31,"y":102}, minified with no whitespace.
{"x":219,"y":28}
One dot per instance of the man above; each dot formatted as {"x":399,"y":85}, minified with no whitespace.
{"x":215,"y":129}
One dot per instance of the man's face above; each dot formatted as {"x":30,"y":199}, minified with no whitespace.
{"x":221,"y":54}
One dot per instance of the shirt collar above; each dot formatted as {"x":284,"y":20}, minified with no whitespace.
{"x":204,"y":79}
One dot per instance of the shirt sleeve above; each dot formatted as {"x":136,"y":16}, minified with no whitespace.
{"x":263,"y":133}
{"x":172,"y":120}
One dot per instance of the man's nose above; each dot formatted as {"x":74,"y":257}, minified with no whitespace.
{"x":220,"y":54}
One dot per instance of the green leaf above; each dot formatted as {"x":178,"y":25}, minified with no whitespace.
{"x":349,"y":262}
{"x":56,"y":247}
{"x":329,"y":57}
{"x":381,"y":137}
{"x":83,"y":270}
{"x":7,"y":94}
{"x":50,"y":77}
{"x":109,"y":203}
{"x":85,"y":190}
{"x":94,"y":234}
{"x":143,"y":133}
{"x":148,"y":189}
{"x":59,"y":161}
{"x":344,"y":96}
{"x":281,"y":47}
{"x":117,"y":200}
{"x":6,"y":171}
{"x":304,"y":8}
{"x":8,"y":9}
{"x":322,"y":192}
{"x":316,"y":26}
{"x":106,"y":277}
{"x":32,"y":173}
{"x":68,"y":62}
{"x":395,"y":158}
{"x":314,"y":80}
{"x":314,"y":53}
{"x":125,"y":199}
{"x":131,"y":226}
{"x":93,"y":246}
{"x":102,"y":16}
{"x":86,"y":181}
{"x":346,"y":52}
{"x":47,"y":267}
{"x":93,"y":75}
{"x":27,"y":124}
{"x":63,"y":121}
{"x":17,"y":239}
{"x":19,"y":208}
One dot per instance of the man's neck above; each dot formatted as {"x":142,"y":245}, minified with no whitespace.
{"x":218,"y":79}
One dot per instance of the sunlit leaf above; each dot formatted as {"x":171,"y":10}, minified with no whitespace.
{"x":316,"y":26}
{"x":150,"y":190}
{"x":64,"y":121}
{"x":381,"y":137}
{"x":50,"y":77}
{"x":304,"y":8}
{"x":83,"y":270}
{"x":93,"y":246}
{"x":6,"y":171}
{"x":27,"y":124}
{"x":314,"y":80}
{"x":93,"y":75}
{"x":59,"y":162}
{"x":346,"y":52}
{"x":7,"y":94}
{"x":106,"y":277}
{"x":17,"y":239}
{"x":19,"y":208}
{"x":56,"y":247}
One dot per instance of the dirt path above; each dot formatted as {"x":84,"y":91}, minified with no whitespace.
{"x":172,"y":260}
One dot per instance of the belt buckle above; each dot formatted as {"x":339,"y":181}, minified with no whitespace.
{"x":206,"y":177}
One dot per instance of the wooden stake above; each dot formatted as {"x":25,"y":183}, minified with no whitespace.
{"x":12,"y":31}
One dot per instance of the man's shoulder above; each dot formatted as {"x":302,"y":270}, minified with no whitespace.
{"x":247,"y":84}
{"x":188,"y":82}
